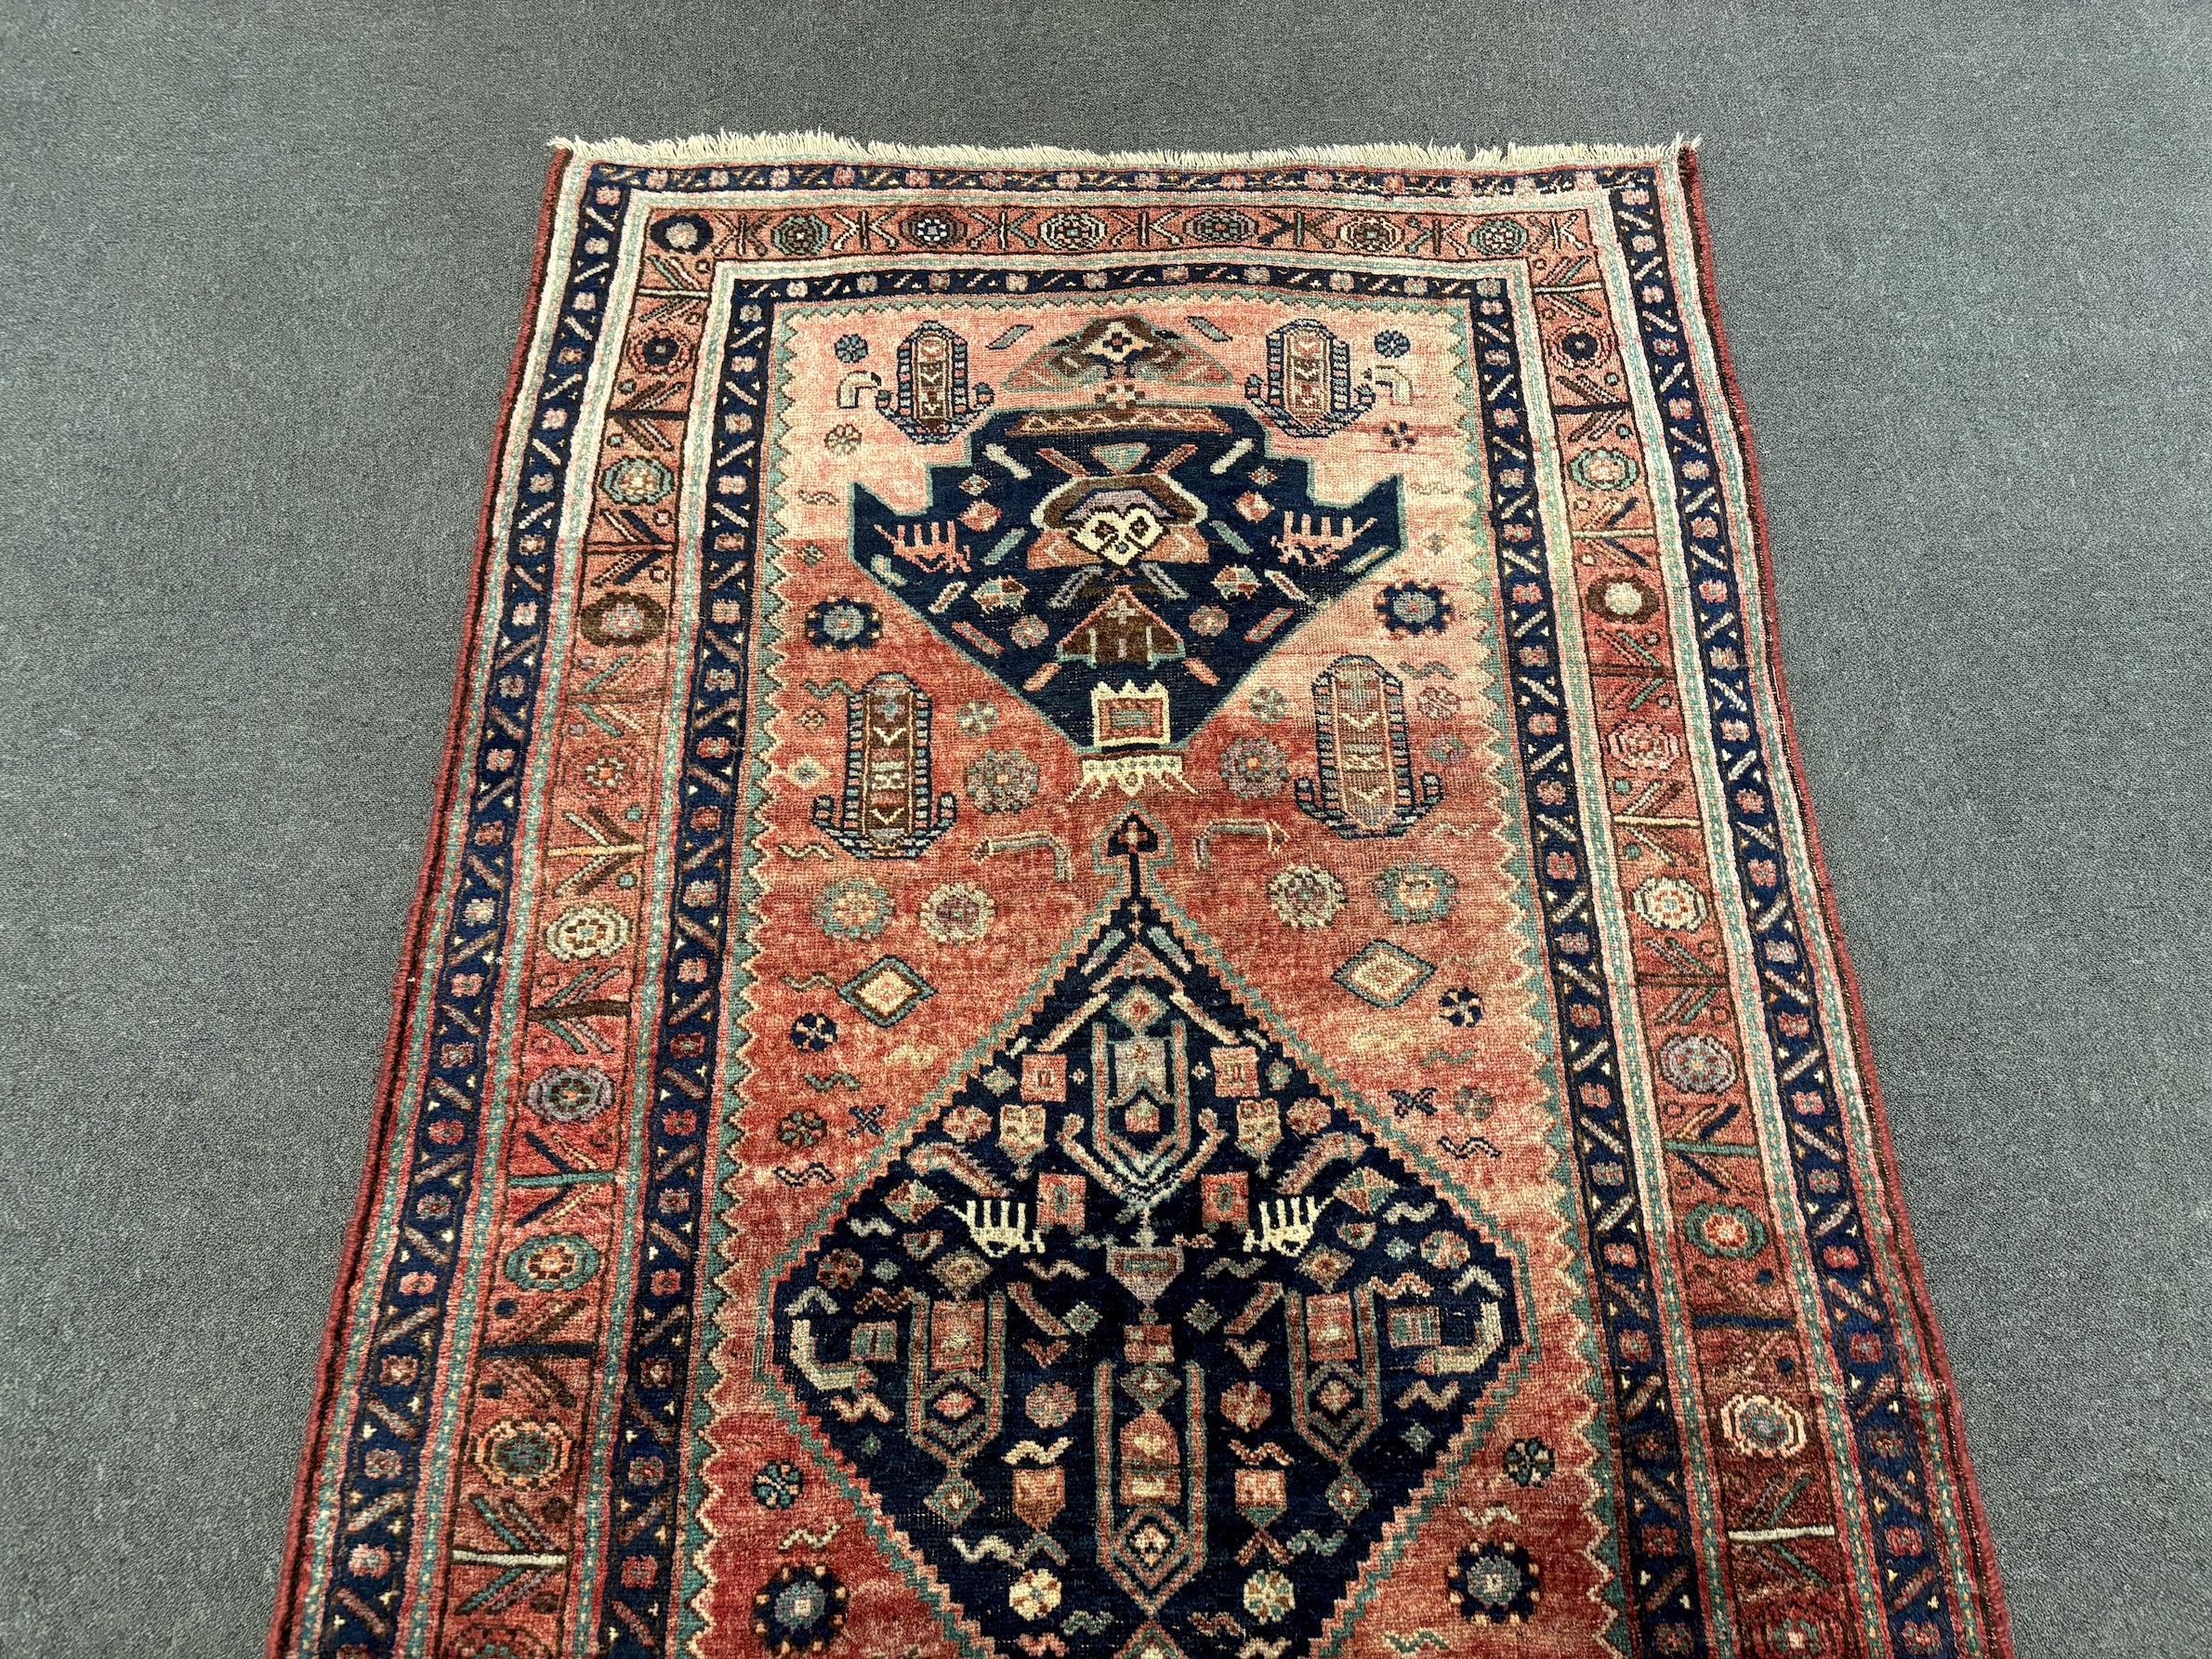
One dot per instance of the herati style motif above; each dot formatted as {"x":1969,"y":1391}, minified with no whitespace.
{"x":1120,"y":958}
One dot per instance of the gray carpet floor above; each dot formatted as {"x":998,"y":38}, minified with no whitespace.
{"x":263,"y":268}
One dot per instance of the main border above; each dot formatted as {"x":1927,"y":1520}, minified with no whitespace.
{"x":1894,"y":1209}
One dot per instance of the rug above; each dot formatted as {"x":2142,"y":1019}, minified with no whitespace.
{"x":1121,"y":958}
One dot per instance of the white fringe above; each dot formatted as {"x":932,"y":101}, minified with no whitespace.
{"x":819,"y":146}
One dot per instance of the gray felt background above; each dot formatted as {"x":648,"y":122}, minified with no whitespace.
{"x":263,"y":270}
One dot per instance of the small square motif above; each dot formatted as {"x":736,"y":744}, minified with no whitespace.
{"x":1043,"y":1077}
{"x":1222,"y":1199}
{"x":1414,"y":1326}
{"x":1236,"y":1072}
{"x":1148,"y":1345}
{"x":1329,"y":1330}
{"x":1060,"y":1201}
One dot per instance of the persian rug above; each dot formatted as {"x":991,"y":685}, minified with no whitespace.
{"x":1122,"y":958}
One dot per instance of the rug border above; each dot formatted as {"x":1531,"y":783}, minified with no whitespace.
{"x":1894,"y":1208}
{"x":798,"y":147}
{"x":284,"y":1616}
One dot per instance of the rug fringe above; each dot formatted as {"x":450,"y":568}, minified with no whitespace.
{"x":821,"y":146}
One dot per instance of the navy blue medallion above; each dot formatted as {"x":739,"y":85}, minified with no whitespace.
{"x":1121,"y":565}
{"x":1145,"y":1329}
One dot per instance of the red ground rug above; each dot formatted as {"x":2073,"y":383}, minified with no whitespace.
{"x":1120,"y":958}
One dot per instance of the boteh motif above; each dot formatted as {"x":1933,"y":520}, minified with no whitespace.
{"x":887,"y":810}
{"x":1308,"y":390}
{"x":1144,"y":1301}
{"x":1364,"y":786}
{"x":932,"y":399}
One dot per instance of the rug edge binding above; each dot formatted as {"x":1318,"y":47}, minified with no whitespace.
{"x":822,"y":146}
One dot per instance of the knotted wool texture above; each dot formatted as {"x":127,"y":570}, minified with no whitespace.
{"x":1121,"y":958}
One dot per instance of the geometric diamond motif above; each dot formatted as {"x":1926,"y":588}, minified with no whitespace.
{"x":886,"y":990}
{"x":1224,"y":1383}
{"x":955,"y":1499}
{"x":1383,"y":975}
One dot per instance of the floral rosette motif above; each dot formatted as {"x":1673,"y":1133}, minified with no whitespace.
{"x":1304,"y":896}
{"x":1002,"y":780}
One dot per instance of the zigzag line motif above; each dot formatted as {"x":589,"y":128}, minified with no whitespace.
{"x":1426,"y":670}
{"x":1402,"y":1211}
{"x":811,"y":850}
{"x":822,"y":1082}
{"x":1417,"y":1641}
{"x":816,"y":1171}
{"x":1447,"y":1056}
{"x":1421,"y":1393}
{"x":799,"y":1535}
{"x":813,"y":982}
{"x":1244,"y":1267}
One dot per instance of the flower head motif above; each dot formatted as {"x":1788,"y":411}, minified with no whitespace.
{"x":854,"y":907}
{"x":638,"y":481}
{"x":1035,"y":1594}
{"x":1269,"y":1596}
{"x":778,"y":1485}
{"x":1255,"y":768}
{"x":1306,"y":896}
{"x":1417,"y":892}
{"x":1413,"y":608}
{"x":1002,"y":780}
{"x":1529,"y":1462}
{"x":958,"y":913}
{"x":844,"y":625}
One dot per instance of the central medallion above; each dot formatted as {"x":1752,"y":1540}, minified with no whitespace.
{"x":1123,"y":564}
{"x":1144,"y":1330}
